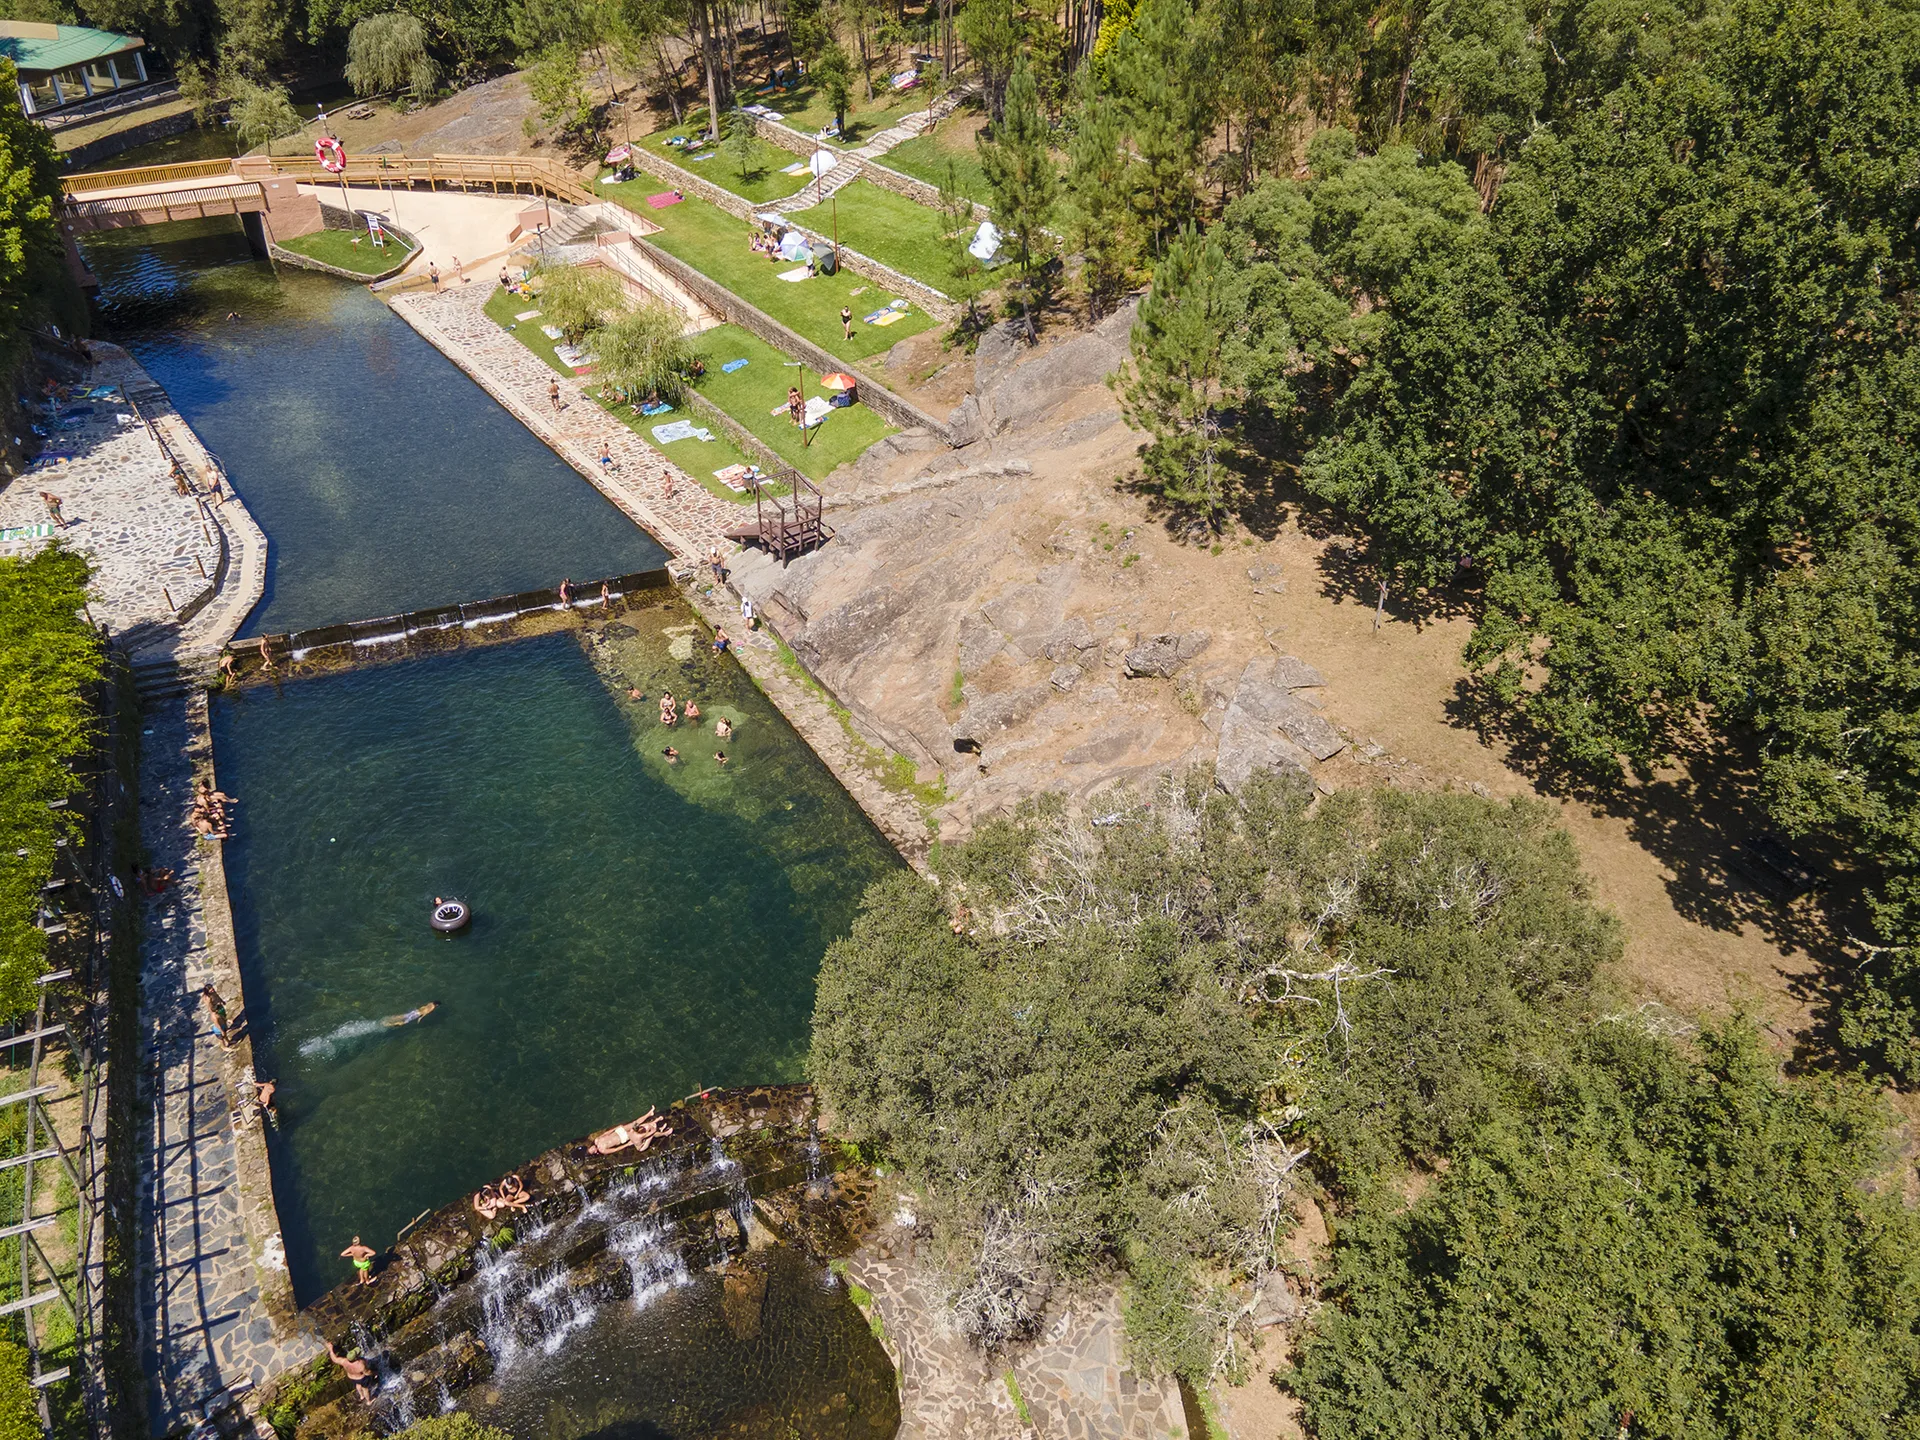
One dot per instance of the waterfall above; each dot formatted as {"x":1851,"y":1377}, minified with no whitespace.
{"x":653,"y":1259}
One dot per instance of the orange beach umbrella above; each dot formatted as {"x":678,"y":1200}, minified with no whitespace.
{"x":837,"y":380}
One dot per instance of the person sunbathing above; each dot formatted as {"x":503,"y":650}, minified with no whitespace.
{"x":486,"y":1201}
{"x":637,"y":1133}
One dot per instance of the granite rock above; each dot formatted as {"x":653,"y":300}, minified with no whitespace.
{"x":1164,"y":654}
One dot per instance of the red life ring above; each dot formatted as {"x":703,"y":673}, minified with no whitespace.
{"x":331,"y":154}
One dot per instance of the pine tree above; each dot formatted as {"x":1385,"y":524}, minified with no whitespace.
{"x":991,"y":31}
{"x":1022,"y":181}
{"x":1169,"y":113}
{"x":967,"y":274}
{"x":1171,"y":386}
{"x":1099,"y":195}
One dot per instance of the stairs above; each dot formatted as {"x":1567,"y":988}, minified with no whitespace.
{"x":158,"y":676}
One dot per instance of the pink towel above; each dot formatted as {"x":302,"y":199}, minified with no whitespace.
{"x":664,"y":199}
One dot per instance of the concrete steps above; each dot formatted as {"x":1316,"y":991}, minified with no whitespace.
{"x":161,"y":677}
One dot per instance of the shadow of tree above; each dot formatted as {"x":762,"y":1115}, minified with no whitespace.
{"x":1699,"y":818}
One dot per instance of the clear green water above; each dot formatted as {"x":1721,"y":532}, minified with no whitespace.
{"x":772,"y":1351}
{"x":385,"y":479}
{"x":641,"y":930}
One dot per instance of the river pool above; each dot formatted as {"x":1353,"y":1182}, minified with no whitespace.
{"x":385,"y":479}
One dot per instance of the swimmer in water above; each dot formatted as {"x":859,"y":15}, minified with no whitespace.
{"x":692,"y":711}
{"x":417,"y":1014}
{"x":723,"y":727}
{"x":673,"y":755}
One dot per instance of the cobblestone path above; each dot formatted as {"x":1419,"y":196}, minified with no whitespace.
{"x":216,"y":1313}
{"x":151,"y":547}
{"x":689,"y":522}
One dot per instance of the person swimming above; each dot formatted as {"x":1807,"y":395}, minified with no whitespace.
{"x":723,"y":727}
{"x":413,"y":1016}
{"x":673,"y":755}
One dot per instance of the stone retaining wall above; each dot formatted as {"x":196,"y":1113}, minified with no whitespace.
{"x":332,"y":217}
{"x":722,"y":301}
{"x":788,"y":138}
{"x":933,"y":301}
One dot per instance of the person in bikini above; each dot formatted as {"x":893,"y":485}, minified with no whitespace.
{"x":723,"y":727}
{"x":637,"y":1134}
{"x":419,"y":1013}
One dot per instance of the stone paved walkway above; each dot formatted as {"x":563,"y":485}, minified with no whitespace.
{"x":151,"y":546}
{"x":454,"y":321}
{"x":217,"y":1311}
{"x":1073,"y":1379}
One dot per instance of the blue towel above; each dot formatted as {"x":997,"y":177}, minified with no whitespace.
{"x":659,"y":407}
{"x":733,"y":365}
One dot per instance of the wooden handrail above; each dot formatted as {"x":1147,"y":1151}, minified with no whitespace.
{"x":146,"y":175}
{"x":434,"y":169}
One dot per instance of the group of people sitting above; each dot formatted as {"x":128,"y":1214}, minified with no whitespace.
{"x":209,"y":816}
{"x":635,"y":1135}
{"x":509,"y":1194}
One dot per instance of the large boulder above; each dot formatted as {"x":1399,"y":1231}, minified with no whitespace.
{"x":1159,"y":657}
{"x":987,"y":715}
{"x":1268,"y":727}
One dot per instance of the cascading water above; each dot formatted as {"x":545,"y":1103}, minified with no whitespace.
{"x":653,"y":1259}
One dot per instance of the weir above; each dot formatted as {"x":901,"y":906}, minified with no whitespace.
{"x":462,"y":1300}
{"x":441,"y":627}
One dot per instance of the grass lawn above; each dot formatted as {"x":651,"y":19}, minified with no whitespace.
{"x":339,"y":247}
{"x":715,"y":243}
{"x":886,"y":227}
{"x":925,"y":157}
{"x":748,"y":395}
{"x":763,"y":185}
{"x":699,"y":458}
{"x":805,"y":107}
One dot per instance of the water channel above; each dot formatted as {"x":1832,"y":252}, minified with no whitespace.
{"x":642,"y":928}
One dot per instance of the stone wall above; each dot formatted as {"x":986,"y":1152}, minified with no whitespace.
{"x":933,"y":301}
{"x":721,"y":301}
{"x":788,"y":138}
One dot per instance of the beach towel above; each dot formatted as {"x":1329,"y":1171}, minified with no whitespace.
{"x":733,"y":365}
{"x":658,"y":407}
{"x":664,"y":199}
{"x":799,"y":167}
{"x":794,"y":276}
{"x":888,"y":317}
{"x":572,"y":355}
{"x":104,"y":392}
{"x":680,"y":430}
{"x":526,"y":315}
{"x":42,"y":531}
{"x":879,"y":317}
{"x":552,"y":332}
{"x":696,"y":159}
{"x":817,"y":410}
{"x":739,"y":478}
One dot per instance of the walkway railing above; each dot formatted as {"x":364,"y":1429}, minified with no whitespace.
{"x":466,"y":171}
{"x":203,"y":200}
{"x":146,"y":175}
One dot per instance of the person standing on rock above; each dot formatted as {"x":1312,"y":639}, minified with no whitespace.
{"x":357,"y":1370}
{"x":362,"y":1259}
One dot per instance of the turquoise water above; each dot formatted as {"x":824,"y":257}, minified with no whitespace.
{"x":641,"y":930}
{"x":385,"y":479}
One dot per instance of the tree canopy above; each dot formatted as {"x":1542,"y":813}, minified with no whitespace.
{"x":1137,"y":1046}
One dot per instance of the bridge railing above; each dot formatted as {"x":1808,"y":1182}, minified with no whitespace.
{"x":463,"y":170}
{"x":146,"y":175}
{"x":223,"y":198}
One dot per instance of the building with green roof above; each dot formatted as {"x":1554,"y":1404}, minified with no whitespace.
{"x":64,"y":65}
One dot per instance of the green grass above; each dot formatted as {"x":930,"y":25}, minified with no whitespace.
{"x":715,"y":243}
{"x":764,"y":183}
{"x":699,"y":458}
{"x":749,"y":395}
{"x":338,"y":247}
{"x":886,"y":227}
{"x":805,"y":108}
{"x":925,"y":157}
